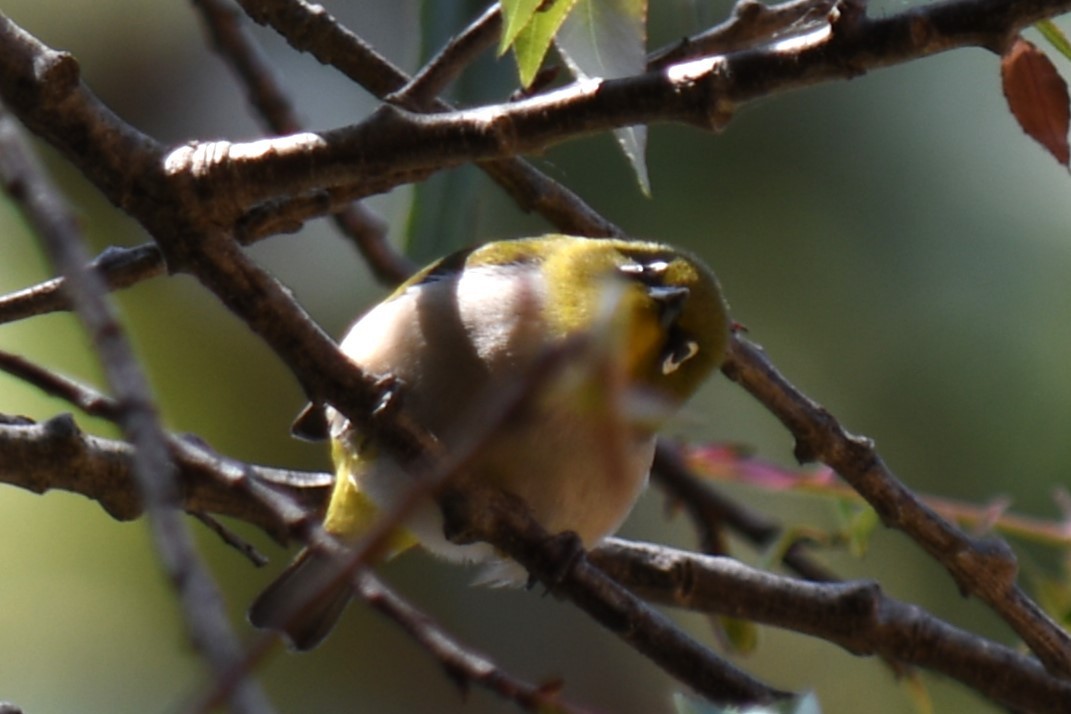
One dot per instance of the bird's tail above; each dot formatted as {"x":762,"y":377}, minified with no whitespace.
{"x":305,"y":601}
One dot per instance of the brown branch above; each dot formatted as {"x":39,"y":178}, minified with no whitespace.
{"x":311,"y":29}
{"x":41,"y":85}
{"x":424,"y":88}
{"x":118,"y":268}
{"x":983,"y":567}
{"x":751,"y":23}
{"x":461,"y":663}
{"x":234,"y":43}
{"x":392,"y":144}
{"x":855,"y":615}
{"x":562,"y":565}
{"x":56,"y":454}
{"x":386,"y":148}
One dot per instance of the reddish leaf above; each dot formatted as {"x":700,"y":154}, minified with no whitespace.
{"x":1037,"y":97}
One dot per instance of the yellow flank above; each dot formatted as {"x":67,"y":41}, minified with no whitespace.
{"x":350,"y":512}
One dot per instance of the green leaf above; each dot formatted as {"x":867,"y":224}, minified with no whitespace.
{"x":1055,"y":36}
{"x":608,"y":39}
{"x":516,"y":14}
{"x":531,"y":43}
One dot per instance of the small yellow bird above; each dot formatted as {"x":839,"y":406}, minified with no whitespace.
{"x":469,"y":325}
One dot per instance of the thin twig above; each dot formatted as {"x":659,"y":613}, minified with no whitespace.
{"x":461,"y":663}
{"x":234,"y":43}
{"x":117,"y":267}
{"x":231,"y":538}
{"x":88,"y":400}
{"x":751,"y":23}
{"x":710,"y":510}
{"x":40,"y":457}
{"x":420,"y":91}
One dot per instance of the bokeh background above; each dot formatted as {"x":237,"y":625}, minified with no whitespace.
{"x":896,"y":243}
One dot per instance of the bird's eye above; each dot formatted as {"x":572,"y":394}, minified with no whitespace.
{"x":646,"y":272}
{"x":657,"y":267}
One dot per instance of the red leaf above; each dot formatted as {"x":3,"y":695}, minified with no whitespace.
{"x":1037,"y":97}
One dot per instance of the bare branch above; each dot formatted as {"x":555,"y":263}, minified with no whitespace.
{"x":710,"y":510}
{"x":857,"y":616}
{"x":387,"y":148}
{"x":117,"y":267}
{"x":751,"y":23}
{"x":985,"y":568}
{"x":422,"y":90}
{"x":562,"y":565}
{"x":309,"y":28}
{"x":356,"y":221}
{"x":461,"y":664}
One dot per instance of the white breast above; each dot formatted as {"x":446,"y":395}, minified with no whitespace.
{"x":454,"y":342}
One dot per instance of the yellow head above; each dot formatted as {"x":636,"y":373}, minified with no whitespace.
{"x":676,"y":321}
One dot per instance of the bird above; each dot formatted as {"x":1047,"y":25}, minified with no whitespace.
{"x":654,"y":325}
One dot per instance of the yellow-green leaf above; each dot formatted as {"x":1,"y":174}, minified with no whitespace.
{"x":516,"y":14}
{"x":532,"y":42}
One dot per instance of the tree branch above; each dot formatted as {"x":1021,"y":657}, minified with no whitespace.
{"x":234,"y":43}
{"x":562,"y":565}
{"x":386,"y":149}
{"x":985,"y":568}
{"x":857,"y":616}
{"x":710,"y":511}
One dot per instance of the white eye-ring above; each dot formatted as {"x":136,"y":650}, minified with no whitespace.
{"x":675,"y":359}
{"x":658,"y":266}
{"x":655,"y":267}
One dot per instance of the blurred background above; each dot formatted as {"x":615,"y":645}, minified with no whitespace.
{"x":896,"y":243}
